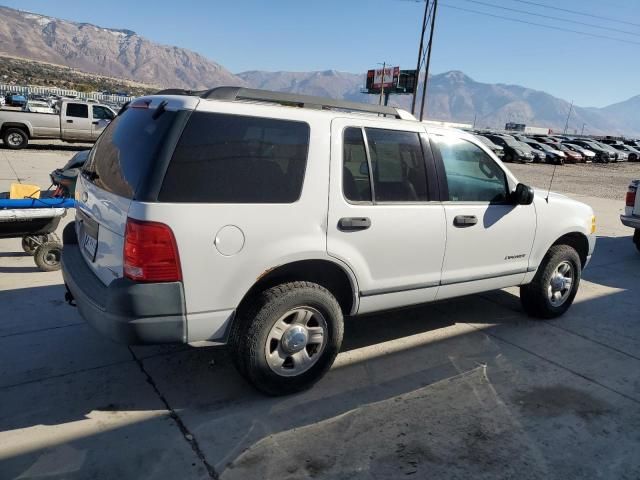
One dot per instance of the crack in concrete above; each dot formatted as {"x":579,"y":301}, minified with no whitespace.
{"x":188,"y":436}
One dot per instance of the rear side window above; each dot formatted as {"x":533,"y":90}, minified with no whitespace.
{"x":77,"y":110}
{"x":125,"y":152}
{"x":224,"y":158}
{"x":356,"y":184}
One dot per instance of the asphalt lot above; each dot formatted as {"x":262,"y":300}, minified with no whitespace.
{"x":468,"y":388}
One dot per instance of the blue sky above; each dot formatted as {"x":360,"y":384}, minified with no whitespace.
{"x":352,"y":35}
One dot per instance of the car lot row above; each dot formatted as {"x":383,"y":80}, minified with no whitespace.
{"x":558,"y":149}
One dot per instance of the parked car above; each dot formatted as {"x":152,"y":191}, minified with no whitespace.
{"x":633,"y":153}
{"x":3,"y":102}
{"x":497,"y":149}
{"x":601,"y":154}
{"x":261,"y":219}
{"x":631,"y":216}
{"x":572,"y":156}
{"x":538,"y":155}
{"x":552,"y":155}
{"x":616,"y":155}
{"x":37,"y":106}
{"x":587,"y":155}
{"x":514,"y":151}
{"x":75,"y":121}
{"x":14,"y":100}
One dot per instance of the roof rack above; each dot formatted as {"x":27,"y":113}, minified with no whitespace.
{"x":233,"y":94}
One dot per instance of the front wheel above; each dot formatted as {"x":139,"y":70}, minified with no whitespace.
{"x":15,"y":138}
{"x":552,"y":290}
{"x":287,"y":337}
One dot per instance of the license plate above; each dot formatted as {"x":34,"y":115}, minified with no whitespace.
{"x":90,"y":245}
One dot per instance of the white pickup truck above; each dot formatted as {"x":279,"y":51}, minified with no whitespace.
{"x":631,"y":216}
{"x":75,"y":121}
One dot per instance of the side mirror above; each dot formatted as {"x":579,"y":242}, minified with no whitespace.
{"x":523,"y":194}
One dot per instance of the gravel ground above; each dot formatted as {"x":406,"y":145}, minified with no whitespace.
{"x":594,"y":179}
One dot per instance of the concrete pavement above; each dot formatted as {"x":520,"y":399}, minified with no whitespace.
{"x":468,"y":388}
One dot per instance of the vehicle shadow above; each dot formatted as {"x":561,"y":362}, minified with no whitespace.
{"x":71,"y":147}
{"x":384,"y":356}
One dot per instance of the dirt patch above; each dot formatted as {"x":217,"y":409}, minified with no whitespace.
{"x":561,"y":400}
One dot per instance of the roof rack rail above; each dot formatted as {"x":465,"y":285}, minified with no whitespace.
{"x":233,"y":94}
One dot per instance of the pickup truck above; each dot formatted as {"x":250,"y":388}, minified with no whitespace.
{"x":75,"y":121}
{"x":631,"y":216}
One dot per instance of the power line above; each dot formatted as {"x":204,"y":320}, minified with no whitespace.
{"x":551,"y":27}
{"x":550,"y":17}
{"x":576,"y":12}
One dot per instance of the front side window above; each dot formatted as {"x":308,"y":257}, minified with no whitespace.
{"x":102,"y":113}
{"x":77,"y":110}
{"x":472,"y":175}
{"x":224,"y":158}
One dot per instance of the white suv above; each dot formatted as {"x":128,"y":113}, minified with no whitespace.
{"x":261,"y":219}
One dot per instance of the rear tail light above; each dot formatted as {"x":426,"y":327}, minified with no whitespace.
{"x":150,"y":252}
{"x":631,"y":197}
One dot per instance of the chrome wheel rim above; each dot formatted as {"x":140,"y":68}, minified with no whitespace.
{"x":14,"y":139}
{"x":296,"y":341}
{"x":560,"y":284}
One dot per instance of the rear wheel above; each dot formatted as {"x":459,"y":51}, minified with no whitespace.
{"x":47,"y":256}
{"x":15,"y":138}
{"x":552,"y":290}
{"x":287,"y":337}
{"x":636,"y":238}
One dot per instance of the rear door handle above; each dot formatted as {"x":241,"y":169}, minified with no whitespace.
{"x":352,"y":224}
{"x":463,"y":221}
{"x":96,"y":122}
{"x":69,"y":121}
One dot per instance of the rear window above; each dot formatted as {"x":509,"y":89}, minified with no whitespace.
{"x":126,"y":150}
{"x":237,"y":159}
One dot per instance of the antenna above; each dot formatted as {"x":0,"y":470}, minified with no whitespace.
{"x":551,"y":182}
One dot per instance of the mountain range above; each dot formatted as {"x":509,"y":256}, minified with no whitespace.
{"x":452,"y":96}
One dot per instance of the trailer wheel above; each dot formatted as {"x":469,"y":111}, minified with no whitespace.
{"x":15,"y":138}
{"x":47,"y":256}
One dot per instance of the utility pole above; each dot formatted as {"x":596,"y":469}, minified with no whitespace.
{"x":419,"y":64}
{"x":384,"y":65}
{"x":429,"y":48}
{"x":566,"y":125}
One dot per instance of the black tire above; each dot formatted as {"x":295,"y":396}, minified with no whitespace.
{"x":255,"y":321}
{"x":15,"y":138}
{"x":534,"y":296}
{"x":47,"y":256}
{"x":636,"y":238}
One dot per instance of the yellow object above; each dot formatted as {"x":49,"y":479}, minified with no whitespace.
{"x":593,"y":224}
{"x":21,"y":190}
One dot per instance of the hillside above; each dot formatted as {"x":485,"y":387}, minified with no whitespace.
{"x":19,"y":71}
{"x":108,"y":52}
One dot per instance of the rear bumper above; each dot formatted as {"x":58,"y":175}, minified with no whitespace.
{"x":630,"y":221}
{"x":125,"y":311}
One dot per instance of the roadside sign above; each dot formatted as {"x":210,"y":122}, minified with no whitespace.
{"x":390,"y":78}
{"x":395,"y":81}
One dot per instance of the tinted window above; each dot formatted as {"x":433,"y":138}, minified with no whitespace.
{"x":472,"y":176}
{"x":77,"y":110}
{"x":236,"y":159}
{"x":355,"y":182}
{"x":398,"y":166}
{"x":125,"y":152}
{"x":101,"y":113}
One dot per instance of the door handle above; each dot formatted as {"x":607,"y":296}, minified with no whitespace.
{"x":352,"y":224}
{"x":69,"y":121}
{"x":463,"y":221}
{"x":96,"y":123}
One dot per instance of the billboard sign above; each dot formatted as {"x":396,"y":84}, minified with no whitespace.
{"x":390,"y":78}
